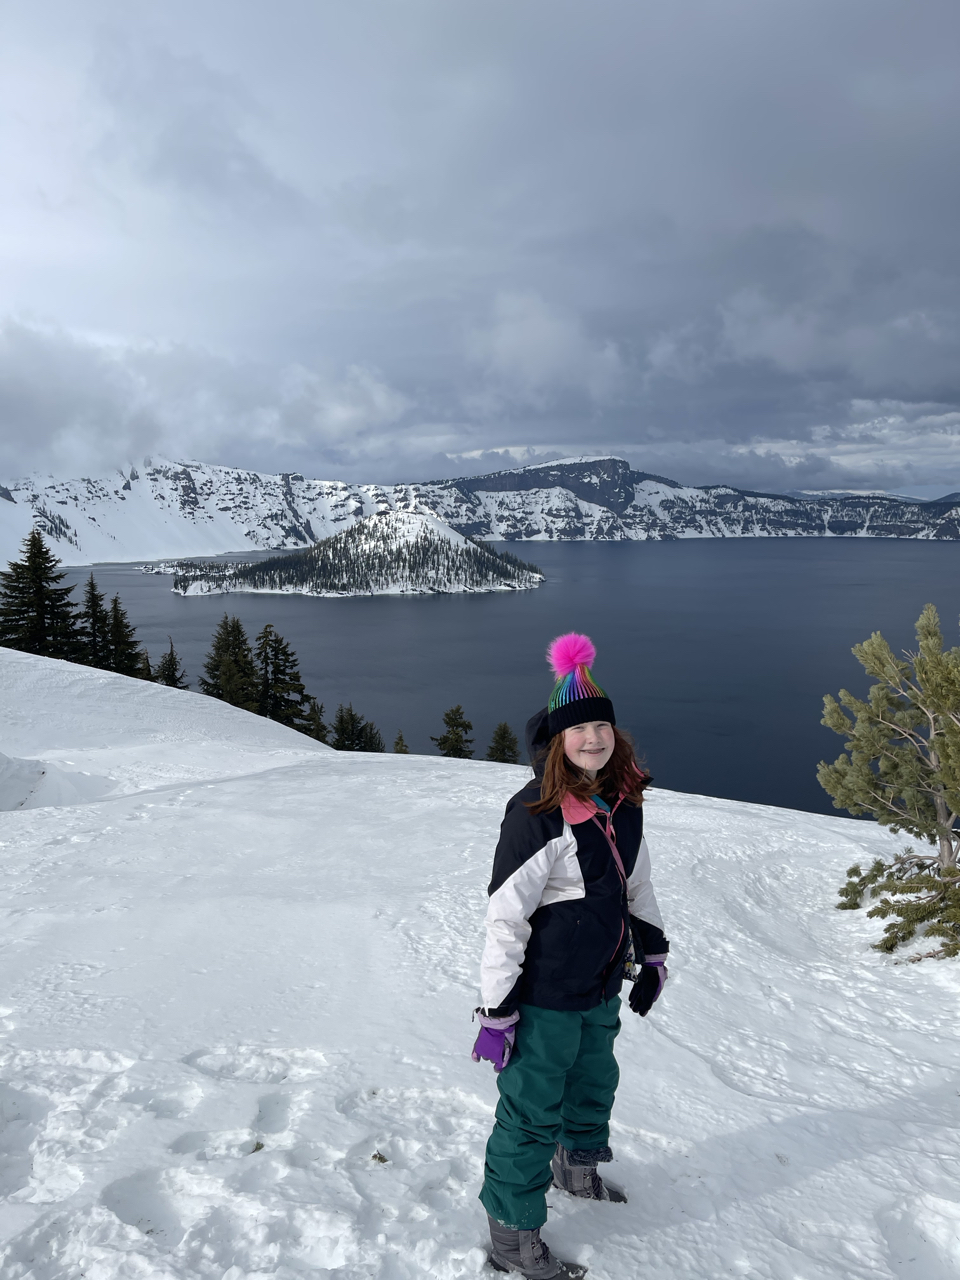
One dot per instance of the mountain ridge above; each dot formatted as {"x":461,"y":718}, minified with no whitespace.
{"x":163,"y":509}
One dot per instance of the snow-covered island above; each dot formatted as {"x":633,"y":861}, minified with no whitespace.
{"x":390,"y":553}
{"x":235,"y":1031}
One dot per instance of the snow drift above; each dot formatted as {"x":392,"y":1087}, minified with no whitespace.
{"x":32,"y":784}
{"x":236,"y":1024}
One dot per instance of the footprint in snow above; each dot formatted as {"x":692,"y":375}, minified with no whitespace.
{"x":141,"y":1202}
{"x":258,"y":1066}
{"x":422,"y":1148}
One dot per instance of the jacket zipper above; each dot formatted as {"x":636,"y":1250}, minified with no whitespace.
{"x":611,"y":839}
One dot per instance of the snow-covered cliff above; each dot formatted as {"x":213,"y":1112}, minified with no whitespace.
{"x":165,"y":509}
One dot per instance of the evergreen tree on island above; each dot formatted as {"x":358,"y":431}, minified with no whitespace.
{"x":36,"y":613}
{"x":124,"y":652}
{"x":454,"y":741}
{"x":169,"y":670}
{"x":281,"y":691}
{"x":504,"y":747}
{"x":400,"y":747}
{"x":94,"y":621}
{"x":230,"y":672}
{"x":351,"y":732}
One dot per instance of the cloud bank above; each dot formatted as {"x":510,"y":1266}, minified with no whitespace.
{"x":391,"y":241}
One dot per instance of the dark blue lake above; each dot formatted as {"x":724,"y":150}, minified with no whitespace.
{"x":717,"y":653}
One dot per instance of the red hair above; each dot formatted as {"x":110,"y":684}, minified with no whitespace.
{"x":620,"y":776}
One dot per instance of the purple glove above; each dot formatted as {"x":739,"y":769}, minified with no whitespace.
{"x":646,"y":990}
{"x":495,"y":1041}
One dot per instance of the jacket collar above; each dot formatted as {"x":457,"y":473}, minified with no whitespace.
{"x":575,"y":810}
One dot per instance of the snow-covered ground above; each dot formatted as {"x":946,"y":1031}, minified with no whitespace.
{"x":238,"y":970}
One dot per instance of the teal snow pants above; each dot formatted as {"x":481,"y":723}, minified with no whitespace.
{"x":558,"y":1086}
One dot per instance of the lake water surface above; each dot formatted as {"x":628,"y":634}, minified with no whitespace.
{"x":717,"y":653}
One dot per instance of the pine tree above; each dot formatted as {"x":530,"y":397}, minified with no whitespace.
{"x":36,"y":613}
{"x":281,"y":690}
{"x":210,"y":682}
{"x":346,"y":728}
{"x":169,"y":670}
{"x":94,"y":619}
{"x":351,"y":732}
{"x":371,"y":739}
{"x":454,"y":741}
{"x":144,"y":670}
{"x":504,"y":747}
{"x":902,"y":765}
{"x":124,"y":652}
{"x":230,"y":671}
{"x":400,"y":748}
{"x":313,"y":725}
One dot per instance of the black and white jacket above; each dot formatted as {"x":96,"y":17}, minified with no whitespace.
{"x":560,"y":916}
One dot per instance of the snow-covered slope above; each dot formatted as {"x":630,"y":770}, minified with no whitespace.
{"x":236,"y":1027}
{"x":174,"y":509}
{"x":165,"y":509}
{"x":390,"y":553}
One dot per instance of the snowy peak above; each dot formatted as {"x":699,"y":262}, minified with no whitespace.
{"x":402,"y":526}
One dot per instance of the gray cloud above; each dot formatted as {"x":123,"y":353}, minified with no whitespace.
{"x":385,"y":241}
{"x":178,"y":123}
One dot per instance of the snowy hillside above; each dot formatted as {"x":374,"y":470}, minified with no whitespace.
{"x":166,"y":510}
{"x":171,"y":509}
{"x":236,"y":1026}
{"x":390,"y":553}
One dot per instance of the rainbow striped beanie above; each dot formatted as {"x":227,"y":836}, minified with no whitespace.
{"x":576,"y":696}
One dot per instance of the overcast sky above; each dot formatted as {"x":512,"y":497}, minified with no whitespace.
{"x":403,"y":239}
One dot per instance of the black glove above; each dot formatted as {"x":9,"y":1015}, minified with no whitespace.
{"x":646,"y":990}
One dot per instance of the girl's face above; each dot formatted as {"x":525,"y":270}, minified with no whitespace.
{"x":589,"y":746}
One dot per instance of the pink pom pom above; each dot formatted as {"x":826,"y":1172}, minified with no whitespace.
{"x":568,"y":652}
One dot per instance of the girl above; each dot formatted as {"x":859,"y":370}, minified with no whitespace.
{"x":572,"y":913}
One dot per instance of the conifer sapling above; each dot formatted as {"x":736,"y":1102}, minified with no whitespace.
{"x":902,"y":765}
{"x":281,"y":692}
{"x":229,"y":669}
{"x":124,"y":653}
{"x":453,"y":742}
{"x":351,"y":732}
{"x":504,"y":747}
{"x":94,"y":620}
{"x":313,"y":725}
{"x":169,"y":670}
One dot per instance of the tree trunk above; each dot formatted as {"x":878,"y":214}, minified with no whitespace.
{"x":948,"y":851}
{"x":947,"y":839}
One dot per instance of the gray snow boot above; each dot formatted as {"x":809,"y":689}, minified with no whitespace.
{"x":576,"y":1172}
{"x":525,"y":1252}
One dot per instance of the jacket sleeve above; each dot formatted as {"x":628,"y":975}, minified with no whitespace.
{"x":527,"y":849}
{"x":646,"y":922}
